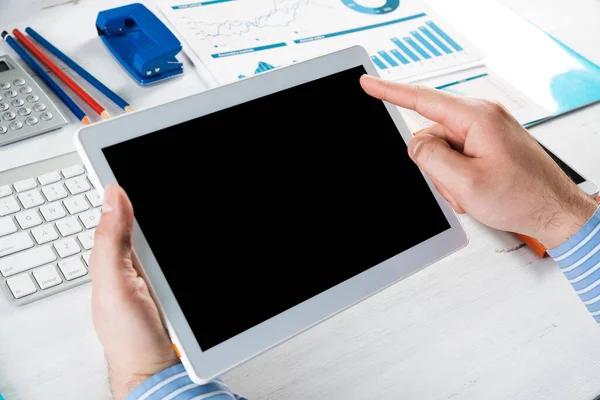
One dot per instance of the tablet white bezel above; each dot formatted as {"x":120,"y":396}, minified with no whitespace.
{"x":205,"y":365}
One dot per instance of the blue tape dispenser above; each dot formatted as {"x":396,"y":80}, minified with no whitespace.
{"x":141,"y":42}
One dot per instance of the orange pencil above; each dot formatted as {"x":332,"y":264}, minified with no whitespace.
{"x":61,"y":74}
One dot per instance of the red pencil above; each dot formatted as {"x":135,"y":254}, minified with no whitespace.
{"x":61,"y":74}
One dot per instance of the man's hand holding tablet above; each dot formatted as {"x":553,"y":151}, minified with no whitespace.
{"x":481,"y":160}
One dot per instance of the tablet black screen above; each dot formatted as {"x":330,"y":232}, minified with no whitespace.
{"x":256,"y":208}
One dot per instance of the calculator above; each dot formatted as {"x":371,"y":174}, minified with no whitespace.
{"x":25,"y":110}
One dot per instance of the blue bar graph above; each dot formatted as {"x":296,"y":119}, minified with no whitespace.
{"x":418,"y":48}
{"x":405,"y":49}
{"x":425,"y":43}
{"x":400,"y":57}
{"x":443,"y":35}
{"x":262,"y":67}
{"x":435,"y":40}
{"x":378,"y":62}
{"x":388,"y":58}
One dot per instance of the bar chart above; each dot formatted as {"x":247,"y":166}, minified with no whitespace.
{"x":262,"y":67}
{"x":425,"y":42}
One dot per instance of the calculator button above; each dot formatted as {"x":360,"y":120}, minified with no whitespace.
{"x":4,"y":106}
{"x":39,"y":107}
{"x":23,"y":112}
{"x":3,"y":130}
{"x":17,"y":103}
{"x":4,"y":85}
{"x":31,"y":120}
{"x":26,"y":89}
{"x":9,"y":116}
{"x":32,"y":98}
{"x":47,"y":116}
{"x":11,"y":93}
{"x":16,"y":125}
{"x":19,"y":82}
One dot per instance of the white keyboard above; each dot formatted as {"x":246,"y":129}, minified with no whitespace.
{"x":48,"y":215}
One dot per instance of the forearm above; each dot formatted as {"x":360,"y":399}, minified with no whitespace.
{"x":579,"y":259}
{"x":174,"y":382}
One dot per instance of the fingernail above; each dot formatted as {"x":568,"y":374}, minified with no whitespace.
{"x":108,"y":203}
{"x":415,"y":147}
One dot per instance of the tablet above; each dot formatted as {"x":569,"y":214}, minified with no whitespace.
{"x":265,"y":206}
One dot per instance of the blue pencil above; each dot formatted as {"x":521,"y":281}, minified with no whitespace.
{"x":79,"y":113}
{"x":79,"y":69}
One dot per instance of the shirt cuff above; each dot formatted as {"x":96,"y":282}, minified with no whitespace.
{"x":579,"y":259}
{"x":174,"y":382}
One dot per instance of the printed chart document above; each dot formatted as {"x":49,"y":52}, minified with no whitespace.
{"x":234,"y":39}
{"x":482,"y":83}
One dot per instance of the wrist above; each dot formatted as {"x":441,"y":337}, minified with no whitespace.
{"x":560,"y":219}
{"x":124,"y":380}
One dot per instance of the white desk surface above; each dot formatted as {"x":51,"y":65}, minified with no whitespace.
{"x":492,"y":321}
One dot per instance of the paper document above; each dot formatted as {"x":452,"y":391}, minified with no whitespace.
{"x":481,"y":83}
{"x":234,"y":39}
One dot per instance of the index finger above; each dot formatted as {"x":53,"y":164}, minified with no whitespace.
{"x":449,"y":110}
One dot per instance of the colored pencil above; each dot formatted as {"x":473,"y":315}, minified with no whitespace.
{"x":79,"y":113}
{"x":61,"y":74}
{"x":79,"y":69}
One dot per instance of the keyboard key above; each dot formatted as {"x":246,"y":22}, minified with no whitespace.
{"x":87,"y":239}
{"x":16,"y":125}
{"x":7,"y":226}
{"x":39,"y":107}
{"x":76,"y":204}
{"x":94,"y":198}
{"x":19,"y":82}
{"x":55,"y":191}
{"x":72,"y":268}
{"x":26,"y":89}
{"x":28,"y":218}
{"x":15,"y":243}
{"x":25,"y":111}
{"x":49,"y":178}
{"x":44,"y":234}
{"x":33,"y":198}
{"x":4,"y":106}
{"x":4,"y":85}
{"x":21,"y":286}
{"x":17,"y":103}
{"x":31,"y":120}
{"x":9,"y":116}
{"x":8,"y":205}
{"x":77,"y":185}
{"x":66,"y":247}
{"x":5,"y":191}
{"x":11,"y":94}
{"x":47,"y":276}
{"x":32,"y":98}
{"x":25,"y":184}
{"x":86,"y":257}
{"x":68,"y":226}
{"x":26,"y":260}
{"x":46,"y":116}
{"x":90,"y":219}
{"x":73,"y":171}
{"x":3,"y":129}
{"x":53,"y":211}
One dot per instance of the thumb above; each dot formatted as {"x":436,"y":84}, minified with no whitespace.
{"x":112,"y":240}
{"x":436,"y":158}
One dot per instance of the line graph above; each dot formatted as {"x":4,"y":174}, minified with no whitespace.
{"x":281,"y":14}
{"x":232,"y":37}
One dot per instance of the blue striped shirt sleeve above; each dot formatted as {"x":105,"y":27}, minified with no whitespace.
{"x":174,"y":384}
{"x":579,"y":259}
